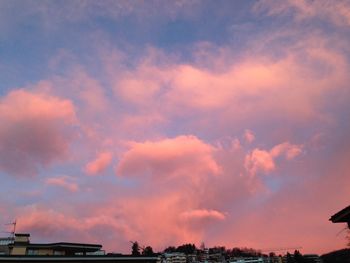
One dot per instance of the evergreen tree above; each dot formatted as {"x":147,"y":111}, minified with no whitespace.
{"x":135,"y":249}
{"x":169,"y":249}
{"x":148,"y":251}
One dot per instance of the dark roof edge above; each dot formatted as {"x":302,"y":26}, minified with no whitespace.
{"x":22,"y":235}
{"x":66,"y":244}
{"x":63,"y":244}
{"x":75,"y":258}
{"x":337,"y":216}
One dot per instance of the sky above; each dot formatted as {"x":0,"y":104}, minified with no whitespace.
{"x":172,"y":122}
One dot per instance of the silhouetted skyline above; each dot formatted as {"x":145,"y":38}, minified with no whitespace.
{"x":172,"y":122}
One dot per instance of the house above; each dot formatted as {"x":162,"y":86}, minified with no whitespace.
{"x":21,"y":246}
{"x":174,"y":257}
{"x":343,"y":216}
{"x":19,"y":249}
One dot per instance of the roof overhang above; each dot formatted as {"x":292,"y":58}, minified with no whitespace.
{"x":73,"y":247}
{"x":343,"y":216}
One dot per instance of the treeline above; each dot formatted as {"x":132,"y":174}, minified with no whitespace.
{"x":297,"y":257}
{"x":341,"y":256}
{"x":191,"y":249}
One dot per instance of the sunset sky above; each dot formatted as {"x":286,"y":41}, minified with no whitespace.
{"x":168,"y":122}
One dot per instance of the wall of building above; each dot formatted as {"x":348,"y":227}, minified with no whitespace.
{"x":45,"y":252}
{"x":24,"y":239}
{"x":19,"y":251}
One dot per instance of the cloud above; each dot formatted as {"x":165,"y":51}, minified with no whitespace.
{"x":292,"y":86}
{"x":264,"y":161}
{"x":337,"y":12}
{"x":66,"y":182}
{"x":98,"y":165}
{"x":200,"y":214}
{"x":34,"y":132}
{"x":289,"y":150}
{"x":180,"y":156}
{"x":86,"y":91}
{"x":259,"y":161}
{"x":119,"y":220}
{"x":249,"y":136}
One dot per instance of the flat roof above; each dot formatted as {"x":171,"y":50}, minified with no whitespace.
{"x":22,"y":235}
{"x":79,"y":259}
{"x":343,"y":216}
{"x":74,"y":247}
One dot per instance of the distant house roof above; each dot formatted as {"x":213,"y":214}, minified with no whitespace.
{"x":343,"y":216}
{"x":72,"y":247}
{"x":22,"y":235}
{"x":78,"y":259}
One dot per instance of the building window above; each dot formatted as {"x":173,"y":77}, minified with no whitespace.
{"x":32,"y":252}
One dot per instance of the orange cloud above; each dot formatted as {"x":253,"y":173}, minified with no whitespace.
{"x":259,"y":160}
{"x":34,"y":130}
{"x":66,"y":182}
{"x":263,"y":161}
{"x":99,"y":164}
{"x":200,"y":214}
{"x":254,"y":87}
{"x":249,"y":136}
{"x":289,"y":150}
{"x":181,"y":156}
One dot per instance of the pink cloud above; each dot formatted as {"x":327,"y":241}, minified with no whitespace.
{"x":192,"y":212}
{"x":297,"y":85}
{"x":263,"y":161}
{"x":289,"y":150}
{"x":88,"y":92}
{"x":34,"y":130}
{"x":291,"y":212}
{"x":249,"y":136}
{"x":336,"y":12}
{"x":99,"y":164}
{"x":120,"y":220}
{"x":66,"y":182}
{"x":200,"y":214}
{"x":259,"y":160}
{"x":235,"y":144}
{"x":180,"y":156}
{"x":253,"y":90}
{"x":284,"y":93}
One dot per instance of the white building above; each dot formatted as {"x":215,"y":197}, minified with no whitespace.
{"x":175,"y":257}
{"x":248,"y":260}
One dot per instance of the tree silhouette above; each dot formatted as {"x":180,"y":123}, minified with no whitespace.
{"x":135,"y":249}
{"x":186,"y":249}
{"x":298,"y":258}
{"x":170,"y":249}
{"x":289,"y":257}
{"x":148,"y":251}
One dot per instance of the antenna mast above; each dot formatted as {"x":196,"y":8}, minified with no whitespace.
{"x":14,"y":223}
{"x":13,"y":232}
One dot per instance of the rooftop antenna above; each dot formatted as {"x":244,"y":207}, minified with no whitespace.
{"x":13,"y":232}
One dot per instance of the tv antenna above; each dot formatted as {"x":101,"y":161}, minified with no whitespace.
{"x":13,"y":232}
